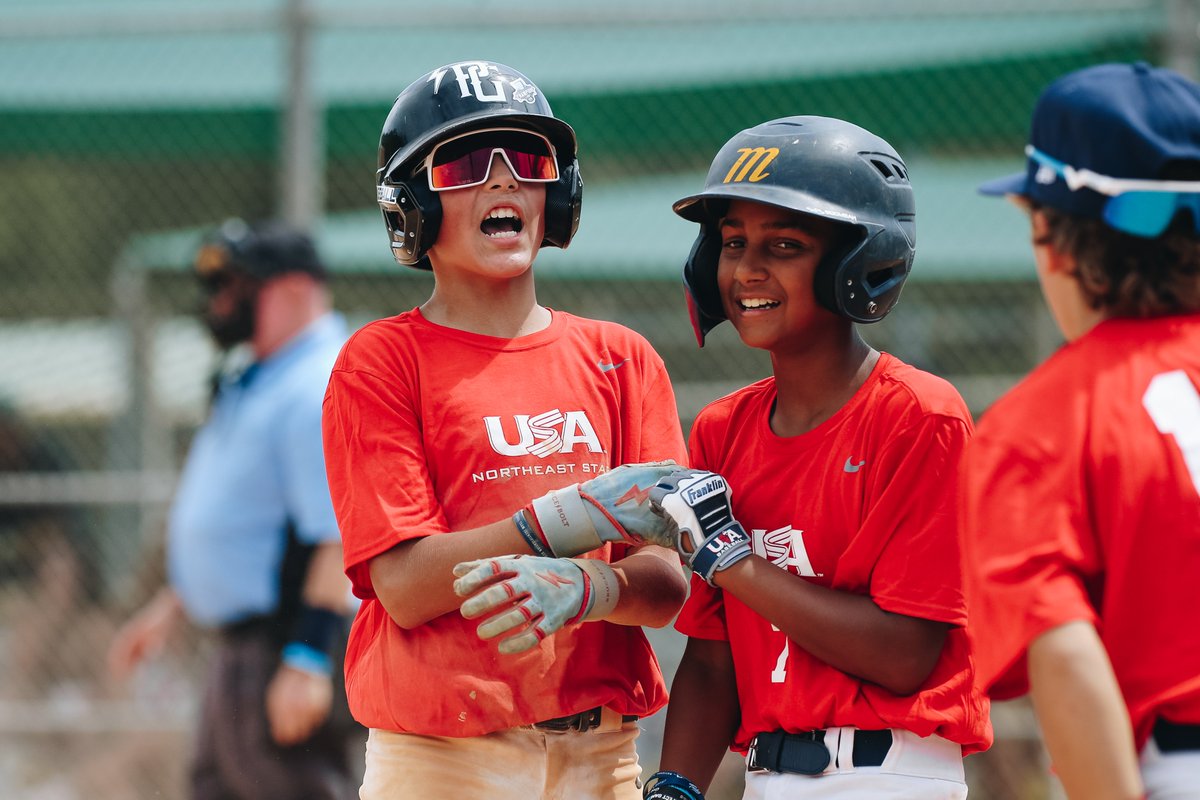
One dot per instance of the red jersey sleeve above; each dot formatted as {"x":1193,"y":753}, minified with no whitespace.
{"x":916,"y":510}
{"x":376,"y":467}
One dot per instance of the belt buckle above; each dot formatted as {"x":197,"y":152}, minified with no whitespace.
{"x":582,"y":722}
{"x":752,"y":757}
{"x":586,"y":720}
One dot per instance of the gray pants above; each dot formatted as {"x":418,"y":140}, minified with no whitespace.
{"x":236,"y":758}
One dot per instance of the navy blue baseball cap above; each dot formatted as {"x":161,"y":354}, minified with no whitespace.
{"x":1111,"y":130}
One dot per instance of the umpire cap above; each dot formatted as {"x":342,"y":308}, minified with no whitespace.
{"x":260,"y":251}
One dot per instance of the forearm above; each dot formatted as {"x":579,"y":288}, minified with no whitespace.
{"x":1082,"y":714}
{"x":847,"y":631}
{"x":415,"y":579}
{"x":325,"y":584}
{"x":653,"y":588}
{"x":702,"y":717}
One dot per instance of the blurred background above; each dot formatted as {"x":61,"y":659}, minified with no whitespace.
{"x":130,"y":127}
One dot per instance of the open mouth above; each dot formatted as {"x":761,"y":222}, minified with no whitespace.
{"x":756,"y":304}
{"x":501,"y":223}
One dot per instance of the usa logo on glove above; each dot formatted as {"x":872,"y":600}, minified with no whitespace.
{"x":698,"y":506}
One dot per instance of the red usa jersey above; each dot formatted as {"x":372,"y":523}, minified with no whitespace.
{"x":864,"y":503}
{"x":430,"y":430}
{"x":1082,"y":502}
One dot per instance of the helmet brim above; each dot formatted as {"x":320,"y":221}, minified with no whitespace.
{"x":694,"y":207}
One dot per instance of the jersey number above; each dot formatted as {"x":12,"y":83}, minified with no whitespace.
{"x":779,"y":674}
{"x":1174,"y":404}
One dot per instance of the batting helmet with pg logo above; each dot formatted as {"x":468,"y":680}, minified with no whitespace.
{"x":448,"y":102}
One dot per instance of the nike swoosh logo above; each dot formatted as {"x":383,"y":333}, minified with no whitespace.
{"x":609,"y":367}
{"x":850,"y":466}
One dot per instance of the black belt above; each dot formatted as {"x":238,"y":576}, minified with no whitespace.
{"x":806,"y":753}
{"x":1173,"y":737}
{"x":583,"y":721}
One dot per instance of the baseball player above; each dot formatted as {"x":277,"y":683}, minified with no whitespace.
{"x":825,"y":624}
{"x":471,"y":446}
{"x":1082,"y":489}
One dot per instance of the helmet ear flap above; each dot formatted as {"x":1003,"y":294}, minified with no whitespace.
{"x":700,"y":277}
{"x":862,"y":282}
{"x":564,"y":202}
{"x":412,"y":214}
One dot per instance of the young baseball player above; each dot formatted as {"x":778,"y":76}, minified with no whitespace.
{"x":1081,"y":510}
{"x":471,"y":446}
{"x":825,"y":624}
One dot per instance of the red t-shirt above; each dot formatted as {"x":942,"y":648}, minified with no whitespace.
{"x":864,"y":503}
{"x":1082,"y":502}
{"x":430,"y":429}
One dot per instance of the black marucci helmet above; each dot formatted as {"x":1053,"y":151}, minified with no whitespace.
{"x":827,"y":168}
{"x":455,"y":99}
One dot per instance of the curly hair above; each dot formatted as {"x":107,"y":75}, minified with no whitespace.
{"x":1130,"y":276}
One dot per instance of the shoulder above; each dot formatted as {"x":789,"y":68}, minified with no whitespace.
{"x":603,"y":332}
{"x":908,"y":391}
{"x":377,"y":342}
{"x":1099,"y":374}
{"x":735,"y":405}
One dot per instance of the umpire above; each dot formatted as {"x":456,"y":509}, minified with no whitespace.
{"x":253,"y":551}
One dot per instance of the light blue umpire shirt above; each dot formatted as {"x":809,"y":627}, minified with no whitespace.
{"x":255,"y":469}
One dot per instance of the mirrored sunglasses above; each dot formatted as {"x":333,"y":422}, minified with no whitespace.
{"x":1138,"y":207}
{"x":466,"y":160}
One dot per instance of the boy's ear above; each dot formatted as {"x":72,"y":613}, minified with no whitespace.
{"x":1039,"y":228}
{"x":1053,"y":260}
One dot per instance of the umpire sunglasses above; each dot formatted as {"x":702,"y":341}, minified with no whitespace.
{"x":466,"y":160}
{"x":1139,"y":207}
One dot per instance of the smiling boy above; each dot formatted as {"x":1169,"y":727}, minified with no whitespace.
{"x":826,"y":637}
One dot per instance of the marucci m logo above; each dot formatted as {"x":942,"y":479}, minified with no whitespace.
{"x":544,"y":434}
{"x":750,"y":164}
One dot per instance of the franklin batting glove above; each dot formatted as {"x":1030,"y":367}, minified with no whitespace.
{"x":667,"y":785}
{"x":527,"y":598}
{"x":612,"y":507}
{"x":697,"y":505}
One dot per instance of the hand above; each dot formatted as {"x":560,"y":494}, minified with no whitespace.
{"x":697,"y":507}
{"x":527,"y":598}
{"x":611,"y":507}
{"x":665,"y":785}
{"x":297,"y":703}
{"x":144,"y":635}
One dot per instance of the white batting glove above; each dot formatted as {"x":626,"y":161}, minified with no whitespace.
{"x":527,"y":598}
{"x":612,"y":507}
{"x":697,"y":505}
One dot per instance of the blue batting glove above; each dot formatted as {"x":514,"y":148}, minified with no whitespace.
{"x":667,"y":785}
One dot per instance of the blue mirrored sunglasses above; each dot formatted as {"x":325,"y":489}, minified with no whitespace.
{"x":1138,"y":207}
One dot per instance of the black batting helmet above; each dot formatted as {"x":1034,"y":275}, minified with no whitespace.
{"x":821,"y":166}
{"x":455,"y":99}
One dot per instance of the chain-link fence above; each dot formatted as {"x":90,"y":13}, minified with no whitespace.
{"x":128,"y":126}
